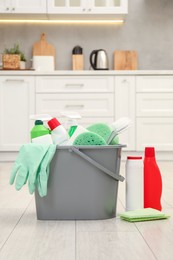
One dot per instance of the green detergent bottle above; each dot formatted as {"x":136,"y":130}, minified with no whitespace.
{"x":40,"y":134}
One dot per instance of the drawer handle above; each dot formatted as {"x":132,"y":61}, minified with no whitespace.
{"x":125,"y":81}
{"x":15,"y":80}
{"x":74,"y":85}
{"x":75,"y":106}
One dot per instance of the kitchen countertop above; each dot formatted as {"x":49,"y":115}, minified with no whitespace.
{"x":85,"y":72}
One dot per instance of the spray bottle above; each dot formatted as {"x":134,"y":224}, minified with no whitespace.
{"x":74,"y":129}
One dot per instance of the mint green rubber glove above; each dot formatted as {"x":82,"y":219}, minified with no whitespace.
{"x":27,"y":164}
{"x":43,"y":171}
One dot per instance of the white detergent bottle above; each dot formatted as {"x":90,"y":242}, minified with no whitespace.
{"x":134,"y":183}
{"x":58,"y":132}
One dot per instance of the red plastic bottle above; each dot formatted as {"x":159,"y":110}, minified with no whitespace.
{"x":152,"y":181}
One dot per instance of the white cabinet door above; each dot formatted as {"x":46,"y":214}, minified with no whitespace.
{"x":154,"y":104}
{"x":125,"y":107}
{"x":157,"y":132}
{"x":5,"y":6}
{"x":17,"y":102}
{"x":87,"y":6}
{"x":65,"y":6}
{"x":109,"y":6}
{"x":23,"y":6}
{"x":29,"y":6}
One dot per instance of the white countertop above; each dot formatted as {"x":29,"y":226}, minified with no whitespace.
{"x":85,"y":72}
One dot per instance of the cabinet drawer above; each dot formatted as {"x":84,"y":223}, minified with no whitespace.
{"x":157,"y":132}
{"x":154,"y":83}
{"x":74,"y":84}
{"x":153,"y":104}
{"x":89,"y":105}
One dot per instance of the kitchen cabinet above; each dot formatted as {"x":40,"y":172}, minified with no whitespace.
{"x":22,"y":6}
{"x":109,"y":6}
{"x":65,"y":6}
{"x":99,"y":97}
{"x":87,"y":6}
{"x":17,"y":103}
{"x":154,"y":111}
{"x":92,"y":97}
{"x":125,"y":107}
{"x":156,"y":132}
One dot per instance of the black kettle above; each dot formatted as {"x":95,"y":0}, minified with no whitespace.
{"x":99,"y":60}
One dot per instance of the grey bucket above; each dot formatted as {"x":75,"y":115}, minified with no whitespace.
{"x":83,"y":184}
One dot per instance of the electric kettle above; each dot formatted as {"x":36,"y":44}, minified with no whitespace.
{"x":99,"y":60}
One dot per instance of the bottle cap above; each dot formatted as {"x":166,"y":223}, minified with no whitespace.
{"x":53,"y":123}
{"x":134,"y":157}
{"x":77,"y":50}
{"x":38,"y":122}
{"x":149,"y":152}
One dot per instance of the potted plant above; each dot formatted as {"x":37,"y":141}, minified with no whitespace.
{"x":13,"y":58}
{"x":22,"y":61}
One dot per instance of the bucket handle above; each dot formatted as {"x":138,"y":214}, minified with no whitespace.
{"x":97,"y":165}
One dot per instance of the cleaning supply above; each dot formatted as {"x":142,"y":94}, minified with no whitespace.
{"x":134,"y":183}
{"x":121,"y":124}
{"x":40,"y":134}
{"x":152,"y":180}
{"x":89,"y":138}
{"x":73,"y":122}
{"x":118,"y":127}
{"x":42,"y":117}
{"x":103,"y":130}
{"x":143,"y":215}
{"x":32,"y":165}
{"x":42,"y":176}
{"x":58,"y":132}
{"x":79,"y":130}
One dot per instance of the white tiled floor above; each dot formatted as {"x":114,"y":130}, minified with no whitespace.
{"x":23,"y":237}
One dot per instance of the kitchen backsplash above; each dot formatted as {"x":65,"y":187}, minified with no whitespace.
{"x":147,"y":29}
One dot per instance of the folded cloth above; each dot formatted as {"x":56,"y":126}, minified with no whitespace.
{"x":143,"y":215}
{"x":29,"y":163}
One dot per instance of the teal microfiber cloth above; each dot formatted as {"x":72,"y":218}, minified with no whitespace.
{"x":103,"y":130}
{"x":32,"y":165}
{"x":89,"y":138}
{"x":143,"y":215}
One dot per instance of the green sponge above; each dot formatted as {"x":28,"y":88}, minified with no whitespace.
{"x":143,"y":215}
{"x":89,"y":138}
{"x":103,"y":130}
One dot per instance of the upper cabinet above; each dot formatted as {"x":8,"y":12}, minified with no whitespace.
{"x":108,"y":6}
{"x":87,"y":7}
{"x":62,"y":9}
{"x":65,"y":6}
{"x":23,"y":6}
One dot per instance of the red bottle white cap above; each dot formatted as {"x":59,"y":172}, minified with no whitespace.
{"x":134,"y":157}
{"x":149,"y":152}
{"x":53,"y":123}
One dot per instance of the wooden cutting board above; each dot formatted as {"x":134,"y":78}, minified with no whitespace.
{"x":125,"y":60}
{"x":43,"y":48}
